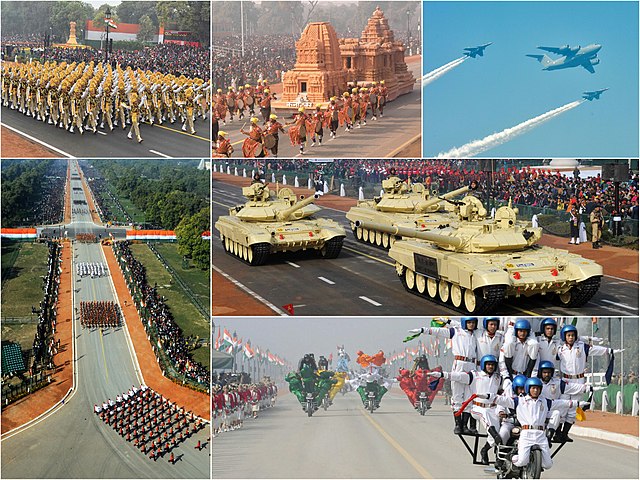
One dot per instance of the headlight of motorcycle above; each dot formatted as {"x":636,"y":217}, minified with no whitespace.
{"x":515,"y":431}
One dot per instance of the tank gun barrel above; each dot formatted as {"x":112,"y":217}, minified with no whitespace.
{"x":411,"y":233}
{"x":287,"y":213}
{"x":426,"y":204}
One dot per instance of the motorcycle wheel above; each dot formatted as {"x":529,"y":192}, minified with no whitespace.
{"x":534,"y":468}
{"x":423,"y":407}
{"x":309,"y":408}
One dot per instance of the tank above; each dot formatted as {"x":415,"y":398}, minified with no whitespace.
{"x":411,"y":206}
{"x":268,"y":224}
{"x":475,"y":266}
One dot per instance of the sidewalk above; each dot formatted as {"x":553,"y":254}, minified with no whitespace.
{"x":34,"y":405}
{"x":243,"y":303}
{"x":609,"y":427}
{"x":87,"y":193}
{"x":16,"y":146}
{"x":153,"y":378}
{"x":617,"y":261}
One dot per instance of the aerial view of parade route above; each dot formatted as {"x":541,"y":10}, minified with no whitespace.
{"x":114,"y":81}
{"x":101,"y":377}
{"x":301,"y":273}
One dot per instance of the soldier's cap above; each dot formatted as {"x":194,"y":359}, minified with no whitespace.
{"x":221,"y":133}
{"x":301,"y":109}
{"x":273,"y":116}
{"x":266,"y":90}
{"x":254,"y":120}
{"x":246,"y":85}
{"x":382,"y":82}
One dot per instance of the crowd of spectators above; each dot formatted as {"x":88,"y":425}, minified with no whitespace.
{"x":266,"y":57}
{"x":44,"y":344}
{"x":98,"y":186}
{"x":168,"y":340}
{"x":233,"y":400}
{"x":523,"y":185}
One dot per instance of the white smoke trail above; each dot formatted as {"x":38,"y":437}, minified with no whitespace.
{"x":427,"y":78}
{"x":478,"y":146}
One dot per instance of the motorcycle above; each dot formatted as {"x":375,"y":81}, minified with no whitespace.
{"x":371,"y":401}
{"x":423,"y":403}
{"x":311,"y":404}
{"x":325,"y":402}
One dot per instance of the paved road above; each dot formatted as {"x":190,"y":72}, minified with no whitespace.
{"x":402,"y":121}
{"x":366,"y":271}
{"x":165,"y":140}
{"x":74,"y":442}
{"x":393,"y":442}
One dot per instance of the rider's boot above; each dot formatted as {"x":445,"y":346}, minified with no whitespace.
{"x":458,"y":428}
{"x":484,"y":454}
{"x":465,"y":421}
{"x":550,"y":433}
{"x":565,"y":432}
{"x":472,"y":425}
{"x":496,"y":436}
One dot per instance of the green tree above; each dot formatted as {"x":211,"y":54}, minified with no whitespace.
{"x":132,"y":12}
{"x":62,"y":13}
{"x":189,"y":233}
{"x":98,"y":17}
{"x":147,"y":29}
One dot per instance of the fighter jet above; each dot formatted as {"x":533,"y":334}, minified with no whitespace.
{"x":593,"y":95}
{"x":473,"y":51}
{"x":578,"y":56}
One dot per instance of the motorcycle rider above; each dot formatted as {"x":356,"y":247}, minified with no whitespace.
{"x":520,"y":352}
{"x":531,"y":411}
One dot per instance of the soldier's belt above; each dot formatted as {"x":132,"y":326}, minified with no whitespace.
{"x":580,"y":375}
{"x":531,"y":427}
{"x":464,"y":359}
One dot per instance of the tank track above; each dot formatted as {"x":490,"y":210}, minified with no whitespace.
{"x":261,"y":252}
{"x":493,"y":296}
{"x":333,"y":247}
{"x":583,"y":292}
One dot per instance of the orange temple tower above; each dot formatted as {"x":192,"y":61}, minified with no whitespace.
{"x":325,"y":64}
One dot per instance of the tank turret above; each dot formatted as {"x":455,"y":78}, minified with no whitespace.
{"x":427,"y":205}
{"x":288,"y":213}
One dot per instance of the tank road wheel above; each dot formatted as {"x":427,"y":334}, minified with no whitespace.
{"x":385,"y":240}
{"x":392,"y":240}
{"x":331,"y":248}
{"x":443,"y":290}
{"x":365,"y":234}
{"x":250,"y":255}
{"x":244,"y":253}
{"x":410,"y":278}
{"x":456,"y":295}
{"x":581,"y":293}
{"x":432,"y":287}
{"x":379,"y":239}
{"x":358,"y":233}
{"x":470,"y":300}
{"x":260,"y":252}
{"x":421,"y":283}
{"x":227,"y":244}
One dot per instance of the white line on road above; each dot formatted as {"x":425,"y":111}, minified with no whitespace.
{"x":621,"y":305}
{"x":294,"y":265}
{"x":250,"y":292}
{"x":622,"y":279}
{"x":102,"y":133}
{"x":372,"y":302}
{"x":37,"y":140}
{"x":326,"y":280}
{"x":160,"y":153}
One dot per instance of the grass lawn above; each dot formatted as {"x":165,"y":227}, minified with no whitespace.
{"x":198,"y":280}
{"x":184,"y":312}
{"x":136,"y":215}
{"x":22,"y":333}
{"x":22,"y":285}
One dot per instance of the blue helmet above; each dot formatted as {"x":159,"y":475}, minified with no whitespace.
{"x":486,"y":320}
{"x":546,"y":365}
{"x":523,"y":325}
{"x":548,"y":321}
{"x":567,"y":328}
{"x":488,"y":358}
{"x":464,"y":320}
{"x":530,"y":382}
{"x":518,"y":381}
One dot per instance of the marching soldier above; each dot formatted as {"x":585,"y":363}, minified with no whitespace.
{"x":273,"y":127}
{"x":134,"y":108}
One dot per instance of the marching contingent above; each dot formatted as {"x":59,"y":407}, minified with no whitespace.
{"x":350,"y":111}
{"x":88,"y":96}
{"x":93,"y":269}
{"x":515,"y":377}
{"x":101,"y":314}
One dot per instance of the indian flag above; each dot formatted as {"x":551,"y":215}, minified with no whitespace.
{"x":110,"y":23}
{"x":247,"y":350}
{"x":226,"y":337}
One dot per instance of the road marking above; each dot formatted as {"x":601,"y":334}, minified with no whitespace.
{"x":294,"y":265}
{"x":251,"y":292}
{"x":621,"y":305}
{"x":368,"y":256}
{"x":412,"y":461}
{"x":372,"y":302}
{"x":160,"y":153}
{"x":221,"y":204}
{"x":326,"y":280}
{"x":104,"y":357}
{"x":622,"y":279}
{"x":181,"y":132}
{"x":37,"y":140}
{"x":102,"y":133}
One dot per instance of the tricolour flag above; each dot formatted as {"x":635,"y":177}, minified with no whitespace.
{"x":249,"y":353}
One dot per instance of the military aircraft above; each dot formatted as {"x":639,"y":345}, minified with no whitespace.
{"x":595,"y":95}
{"x":578,"y":56}
{"x":473,"y":51}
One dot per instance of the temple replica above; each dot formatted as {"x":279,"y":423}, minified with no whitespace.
{"x":325,"y":64}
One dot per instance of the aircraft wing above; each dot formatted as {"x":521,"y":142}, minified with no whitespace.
{"x":587,"y":65}
{"x":556,"y":50}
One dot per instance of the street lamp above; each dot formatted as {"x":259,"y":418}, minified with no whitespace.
{"x":408,"y":29}
{"x":107,"y":19}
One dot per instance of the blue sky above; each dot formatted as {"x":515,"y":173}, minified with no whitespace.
{"x":488,"y":94}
